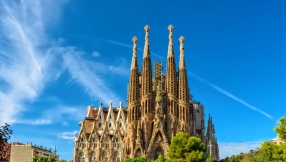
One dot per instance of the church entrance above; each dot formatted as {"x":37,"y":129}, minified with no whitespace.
{"x":158,"y":151}
{"x":138,"y":153}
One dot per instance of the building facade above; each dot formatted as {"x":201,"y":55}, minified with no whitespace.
{"x":159,"y":106}
{"x":26,"y":152}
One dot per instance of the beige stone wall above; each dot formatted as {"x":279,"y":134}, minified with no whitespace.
{"x":21,"y":153}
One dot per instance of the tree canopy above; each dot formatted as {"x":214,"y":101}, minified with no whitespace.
{"x":5,"y":135}
{"x":268,"y":151}
{"x":43,"y":159}
{"x":138,"y":159}
{"x":185,"y":148}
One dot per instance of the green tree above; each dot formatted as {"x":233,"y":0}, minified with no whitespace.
{"x":189,"y":149}
{"x":43,"y":159}
{"x":5,"y":135}
{"x":161,"y":158}
{"x":138,"y":159}
{"x":270,"y":151}
{"x":281,"y":128}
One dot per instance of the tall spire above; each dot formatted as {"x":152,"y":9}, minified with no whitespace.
{"x":171,"y":83}
{"x":146,"y":47}
{"x":182,"y":56}
{"x":183,"y":94}
{"x":134,"y":63}
{"x":133,"y":89}
{"x":146,"y":74}
{"x":170,"y":48}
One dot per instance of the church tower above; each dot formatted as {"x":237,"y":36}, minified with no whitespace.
{"x":147,"y":105}
{"x":183,"y":93}
{"x":171,"y":87}
{"x":133,"y":103}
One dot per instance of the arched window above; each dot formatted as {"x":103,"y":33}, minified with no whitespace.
{"x":82,"y":140}
{"x":99,"y":125}
{"x":110,"y":117}
{"x":120,"y":125}
{"x":116,"y":139}
{"x":92,"y":157}
{"x":104,"y":155}
{"x":110,"y":124}
{"x":81,"y":157}
{"x":93,"y":140}
{"x":116,"y":154}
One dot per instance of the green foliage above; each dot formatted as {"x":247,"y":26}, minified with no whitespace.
{"x":161,"y":158}
{"x":139,"y":159}
{"x":43,"y":159}
{"x":268,"y":151}
{"x":185,"y":148}
{"x":281,"y":128}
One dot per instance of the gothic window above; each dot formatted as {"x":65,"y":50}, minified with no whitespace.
{"x":120,"y":125}
{"x":81,"y":157}
{"x":110,"y":117}
{"x":99,"y":116}
{"x":92,"y":154}
{"x":120,"y":117}
{"x":81,"y":140}
{"x":116,"y":154}
{"x":110,"y":124}
{"x":93,"y":140}
{"x":92,"y":157}
{"x":104,"y":154}
{"x":99,"y":125}
{"x":116,"y":139}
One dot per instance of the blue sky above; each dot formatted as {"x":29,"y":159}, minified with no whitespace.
{"x":59,"y":56}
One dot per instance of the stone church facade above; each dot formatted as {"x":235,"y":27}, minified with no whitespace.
{"x":159,"y":106}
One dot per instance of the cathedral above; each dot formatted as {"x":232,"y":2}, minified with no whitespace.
{"x":159,"y":106}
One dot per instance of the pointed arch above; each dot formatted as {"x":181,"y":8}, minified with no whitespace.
{"x":138,"y":153}
{"x":158,"y":151}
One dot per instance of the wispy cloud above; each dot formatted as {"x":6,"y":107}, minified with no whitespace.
{"x":64,"y":113}
{"x":235,"y":148}
{"x":82,"y":73}
{"x":29,"y":59}
{"x":68,"y":135}
{"x":24,"y":62}
{"x":118,"y":43}
{"x":35,"y":122}
{"x":95,"y":54}
{"x":229,"y":95}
